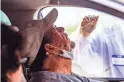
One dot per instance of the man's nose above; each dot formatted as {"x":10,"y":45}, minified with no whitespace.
{"x":60,"y":29}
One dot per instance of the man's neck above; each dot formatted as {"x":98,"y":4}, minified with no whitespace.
{"x":58,"y":64}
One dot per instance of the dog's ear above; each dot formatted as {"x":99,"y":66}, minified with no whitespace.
{"x":51,"y":17}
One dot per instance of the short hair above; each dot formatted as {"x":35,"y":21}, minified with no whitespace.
{"x":10,"y":40}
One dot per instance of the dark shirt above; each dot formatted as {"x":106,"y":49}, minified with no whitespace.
{"x":45,"y":76}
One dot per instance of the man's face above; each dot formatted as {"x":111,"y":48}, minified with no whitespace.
{"x":59,"y":39}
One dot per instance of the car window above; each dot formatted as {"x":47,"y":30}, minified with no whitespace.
{"x":101,"y":54}
{"x":70,"y":17}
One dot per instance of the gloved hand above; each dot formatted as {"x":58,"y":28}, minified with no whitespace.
{"x":88,"y":24}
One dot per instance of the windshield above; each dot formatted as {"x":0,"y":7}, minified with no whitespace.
{"x":101,"y":52}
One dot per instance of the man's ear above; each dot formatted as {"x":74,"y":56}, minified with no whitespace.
{"x":52,"y":49}
{"x":48,"y":48}
{"x":51,"y":17}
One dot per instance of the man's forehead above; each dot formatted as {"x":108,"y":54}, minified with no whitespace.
{"x":56,"y":28}
{"x":54,"y":32}
{"x":51,"y":30}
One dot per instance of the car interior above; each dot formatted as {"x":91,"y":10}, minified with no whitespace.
{"x":70,"y":13}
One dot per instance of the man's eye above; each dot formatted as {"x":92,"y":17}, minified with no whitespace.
{"x":65,"y":45}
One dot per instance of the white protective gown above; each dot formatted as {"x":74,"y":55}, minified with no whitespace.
{"x":101,"y":54}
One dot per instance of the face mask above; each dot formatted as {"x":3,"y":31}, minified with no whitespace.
{"x":67,"y":54}
{"x":62,"y":53}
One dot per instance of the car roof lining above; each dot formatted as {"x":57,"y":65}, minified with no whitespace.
{"x":30,"y":5}
{"x":90,"y":4}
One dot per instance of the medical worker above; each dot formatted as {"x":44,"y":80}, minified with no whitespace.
{"x":99,"y":52}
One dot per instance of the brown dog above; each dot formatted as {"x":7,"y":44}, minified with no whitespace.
{"x":33,"y":34}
